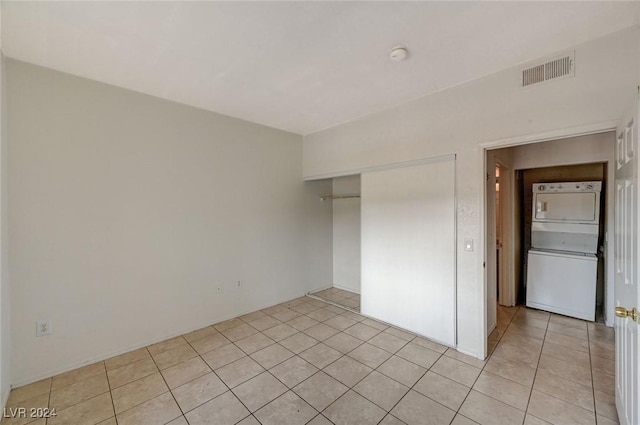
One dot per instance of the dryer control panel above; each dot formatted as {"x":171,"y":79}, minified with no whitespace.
{"x":568,"y":187}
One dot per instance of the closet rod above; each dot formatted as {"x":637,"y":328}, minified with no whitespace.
{"x":327,"y":197}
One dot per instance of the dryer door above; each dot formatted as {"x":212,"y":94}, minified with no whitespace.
{"x":582,"y":207}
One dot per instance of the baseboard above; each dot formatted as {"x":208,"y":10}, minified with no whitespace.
{"x":311,"y":291}
{"x":146,"y":343}
{"x":346,"y":289}
{"x":469,"y":353}
{"x":5,"y":397}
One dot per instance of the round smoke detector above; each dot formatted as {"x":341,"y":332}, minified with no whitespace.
{"x":398,"y":53}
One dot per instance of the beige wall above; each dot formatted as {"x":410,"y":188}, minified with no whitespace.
{"x":491,"y":111}
{"x":127,"y":212}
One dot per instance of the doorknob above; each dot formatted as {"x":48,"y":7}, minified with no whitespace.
{"x":623,"y":313}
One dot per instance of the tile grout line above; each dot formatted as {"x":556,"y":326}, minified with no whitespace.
{"x":575,"y":382}
{"x":347,"y":354}
{"x":69,"y":385}
{"x":221,"y":380}
{"x":265,"y":370}
{"x":593,"y":386}
{"x":217,"y":376}
{"x":376,"y":370}
{"x":485,"y":364}
{"x":115,"y":416}
{"x":350,"y":388}
{"x":535,"y":374}
{"x":388,"y":412}
{"x":333,"y":303}
{"x":269,"y":370}
{"x":166,"y":383}
{"x":410,"y":388}
{"x":46,"y":421}
{"x":275,"y":342}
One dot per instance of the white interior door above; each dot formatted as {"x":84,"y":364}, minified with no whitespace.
{"x":626,"y":270}
{"x":408,"y":248}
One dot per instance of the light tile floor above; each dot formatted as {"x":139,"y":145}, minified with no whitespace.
{"x":347,"y":299}
{"x":308,"y":362}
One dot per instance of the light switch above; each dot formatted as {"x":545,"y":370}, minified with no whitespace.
{"x":468,"y":244}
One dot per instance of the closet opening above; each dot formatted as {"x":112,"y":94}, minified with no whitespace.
{"x":344,"y":290}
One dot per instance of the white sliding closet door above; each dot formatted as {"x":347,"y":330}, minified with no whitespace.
{"x":408,"y":248}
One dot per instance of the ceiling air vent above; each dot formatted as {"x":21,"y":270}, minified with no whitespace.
{"x":551,"y":70}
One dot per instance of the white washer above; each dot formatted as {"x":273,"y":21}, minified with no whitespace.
{"x":562,"y":265}
{"x":563,"y":283}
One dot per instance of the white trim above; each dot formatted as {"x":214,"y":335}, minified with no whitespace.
{"x":455,"y":250}
{"x":470,"y":353}
{"x":312,"y":291}
{"x":562,"y":133}
{"x":482,"y":260}
{"x":399,"y":164}
{"x":5,"y":398}
{"x":344,"y":288}
{"x":507,"y":289}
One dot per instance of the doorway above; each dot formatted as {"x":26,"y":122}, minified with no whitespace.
{"x":504,"y":267}
{"x":499,"y":240}
{"x":564,"y":173}
{"x":345,"y":285}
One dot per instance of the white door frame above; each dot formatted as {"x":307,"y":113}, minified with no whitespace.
{"x":490,"y":257}
{"x":507,"y":204}
{"x":518,"y":141}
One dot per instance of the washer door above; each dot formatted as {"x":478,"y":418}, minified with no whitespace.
{"x":562,"y":283}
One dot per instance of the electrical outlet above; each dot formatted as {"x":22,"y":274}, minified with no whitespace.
{"x":44,"y":327}
{"x":219,"y":289}
{"x":238,"y":285}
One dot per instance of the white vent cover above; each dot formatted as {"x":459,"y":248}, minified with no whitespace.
{"x":559,"y":67}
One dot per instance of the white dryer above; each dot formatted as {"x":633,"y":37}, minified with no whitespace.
{"x":562,"y":262}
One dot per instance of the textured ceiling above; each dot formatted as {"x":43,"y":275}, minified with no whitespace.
{"x":297,"y":66}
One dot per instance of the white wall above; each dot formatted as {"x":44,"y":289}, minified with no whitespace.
{"x":460,"y":120}
{"x":580,"y":150}
{"x":573,"y":150}
{"x":346,"y":234}
{"x":5,"y":296}
{"x":127,"y":212}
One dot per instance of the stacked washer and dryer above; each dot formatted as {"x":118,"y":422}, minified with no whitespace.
{"x":562,"y":266}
